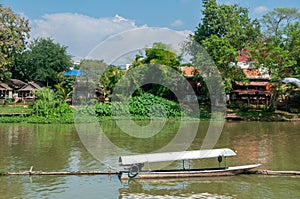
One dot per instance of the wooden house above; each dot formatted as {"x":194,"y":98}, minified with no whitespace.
{"x":258,"y":88}
{"x":5,"y":91}
{"x":26,"y":93}
{"x":189,"y":72}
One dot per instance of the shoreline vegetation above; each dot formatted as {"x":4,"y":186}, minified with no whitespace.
{"x":24,"y":114}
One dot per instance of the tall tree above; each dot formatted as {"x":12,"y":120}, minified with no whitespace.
{"x":91,"y":70}
{"x":157,"y":64}
{"x":224,"y":31}
{"x":275,"y":21}
{"x":44,"y":60}
{"x":279,"y":50}
{"x":227,"y":21}
{"x":14,"y":30}
{"x":160,"y":53}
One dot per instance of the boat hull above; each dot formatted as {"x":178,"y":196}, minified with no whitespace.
{"x":163,"y":174}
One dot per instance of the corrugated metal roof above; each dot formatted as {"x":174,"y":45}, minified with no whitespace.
{"x":172,"y":156}
{"x":73,"y":73}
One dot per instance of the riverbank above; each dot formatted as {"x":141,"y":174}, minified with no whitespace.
{"x":22,"y":113}
{"x":259,"y":115}
{"x":232,"y":115}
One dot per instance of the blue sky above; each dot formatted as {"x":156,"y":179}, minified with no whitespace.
{"x":179,"y":14}
{"x":71,"y":22}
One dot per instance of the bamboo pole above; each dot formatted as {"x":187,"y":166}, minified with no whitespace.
{"x":274,"y":173}
{"x":30,"y":172}
{"x":61,"y":173}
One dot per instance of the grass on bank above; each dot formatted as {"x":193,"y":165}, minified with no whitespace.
{"x":15,"y":109}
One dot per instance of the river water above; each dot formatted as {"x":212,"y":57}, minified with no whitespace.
{"x":53,"y":147}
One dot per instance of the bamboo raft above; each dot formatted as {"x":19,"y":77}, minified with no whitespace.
{"x":79,"y":173}
{"x":62,"y":173}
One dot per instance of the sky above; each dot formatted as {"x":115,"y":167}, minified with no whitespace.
{"x":83,"y":26}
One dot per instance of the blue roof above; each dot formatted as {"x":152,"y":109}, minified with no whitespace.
{"x":73,"y":73}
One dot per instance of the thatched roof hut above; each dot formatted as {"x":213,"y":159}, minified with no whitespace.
{"x":31,"y":86}
{"x":27,"y":91}
{"x":5,"y":91}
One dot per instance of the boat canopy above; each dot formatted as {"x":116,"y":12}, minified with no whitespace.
{"x":172,"y":156}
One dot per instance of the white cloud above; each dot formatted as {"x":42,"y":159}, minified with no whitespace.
{"x":177,"y":23}
{"x":121,"y":48}
{"x":80,"y":33}
{"x":83,"y":34}
{"x":260,"y":9}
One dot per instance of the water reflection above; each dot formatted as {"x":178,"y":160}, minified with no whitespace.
{"x":52,"y":147}
{"x":225,"y":187}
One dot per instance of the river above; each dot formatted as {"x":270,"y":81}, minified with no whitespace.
{"x":58,"y":147}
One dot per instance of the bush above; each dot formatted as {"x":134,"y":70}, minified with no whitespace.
{"x":150,"y":105}
{"x":103,"y":109}
{"x":143,"y":106}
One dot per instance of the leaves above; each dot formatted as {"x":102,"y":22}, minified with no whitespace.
{"x":42,"y":61}
{"x":14,"y":30}
{"x":279,"y":52}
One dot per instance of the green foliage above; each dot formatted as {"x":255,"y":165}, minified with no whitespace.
{"x":64,"y":89}
{"x":160,"y":53}
{"x":160,"y":65}
{"x":92,"y":70}
{"x":47,"y":105}
{"x":110,"y":77}
{"x":149,"y":105}
{"x":279,"y":53}
{"x":14,"y":109}
{"x":227,"y":21}
{"x":14,"y":30}
{"x":103,"y":109}
{"x":223,"y":31}
{"x":275,"y":21}
{"x":45,"y":59}
{"x":143,"y":106}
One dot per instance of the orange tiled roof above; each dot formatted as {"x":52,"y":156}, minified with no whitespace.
{"x":251,"y":72}
{"x":188,"y":71}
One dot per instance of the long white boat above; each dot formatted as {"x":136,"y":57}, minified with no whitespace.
{"x":134,"y":165}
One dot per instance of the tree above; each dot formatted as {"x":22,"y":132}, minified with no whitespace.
{"x":64,"y":89}
{"x":49,"y":105}
{"x":227,"y":21}
{"x":224,"y":31}
{"x":160,"y":53}
{"x":274,"y":22}
{"x":279,"y":50}
{"x":43,"y":61}
{"x":21,"y":68}
{"x":91,"y":70}
{"x":14,"y":30}
{"x":110,"y":77}
{"x":158,"y":64}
